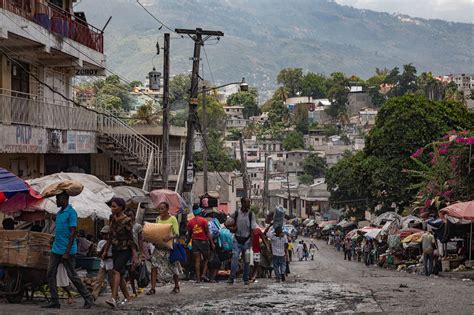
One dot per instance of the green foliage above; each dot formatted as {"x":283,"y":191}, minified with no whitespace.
{"x":179,"y":118}
{"x":339,"y":95}
{"x":179,"y":90}
{"x":306,"y":179}
{"x":112,"y":94}
{"x":109,"y":102}
{"x":314,"y":85}
{"x":403,"y":125}
{"x":233,"y":134}
{"x":292,"y":80}
{"x":135,"y":83}
{"x":314,"y":165}
{"x":246,"y":99}
{"x":217,"y":156}
{"x":404,"y":82}
{"x":146,"y":114}
{"x":293,"y":141}
{"x":300,"y":118}
{"x":216,"y":117}
{"x":376,"y":97}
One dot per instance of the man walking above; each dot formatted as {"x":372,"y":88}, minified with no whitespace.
{"x":427,"y":245}
{"x":64,"y":251}
{"x":242,"y":223}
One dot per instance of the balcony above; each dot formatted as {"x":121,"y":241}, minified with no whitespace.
{"x":58,"y":22}
{"x":26,"y":109}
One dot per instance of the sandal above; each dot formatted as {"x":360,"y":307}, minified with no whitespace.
{"x":151,"y":292}
{"x":175,"y":290}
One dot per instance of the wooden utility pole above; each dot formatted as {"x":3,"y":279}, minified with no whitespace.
{"x":197,"y":36}
{"x":166,"y":111}
{"x":290,"y":202}
{"x":243,"y":167}
{"x":204,"y":140}
{"x":265,"y":184}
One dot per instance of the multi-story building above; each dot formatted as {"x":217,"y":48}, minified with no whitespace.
{"x":43,"y":46}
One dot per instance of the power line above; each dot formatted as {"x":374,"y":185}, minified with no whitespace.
{"x":209,"y":66}
{"x":156,"y":19}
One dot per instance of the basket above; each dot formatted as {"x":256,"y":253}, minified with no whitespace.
{"x":25,"y":249}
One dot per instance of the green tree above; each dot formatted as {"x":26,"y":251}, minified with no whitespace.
{"x":314,"y":85}
{"x":109,"y":90}
{"x":314,"y":165}
{"x":292,"y":80}
{"x":109,"y":102}
{"x":146,"y":114}
{"x":246,"y":99}
{"x":179,"y":90}
{"x":376,"y":97}
{"x":216,"y":117}
{"x":179,"y":118}
{"x":300,"y":118}
{"x":293,"y":141}
{"x":135,"y":84}
{"x":306,"y":179}
{"x":339,"y":95}
{"x":217,"y":156}
{"x":430,"y":87}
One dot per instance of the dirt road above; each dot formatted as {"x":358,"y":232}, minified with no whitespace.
{"x":326,"y":285}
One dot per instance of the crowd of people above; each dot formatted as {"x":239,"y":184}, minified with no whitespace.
{"x":207,"y":248}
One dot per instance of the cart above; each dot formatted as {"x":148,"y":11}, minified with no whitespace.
{"x":24,"y":258}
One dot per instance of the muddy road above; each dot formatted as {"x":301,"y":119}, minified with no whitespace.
{"x":329,"y":284}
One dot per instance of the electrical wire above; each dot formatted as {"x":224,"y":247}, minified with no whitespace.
{"x":209,"y":66}
{"x":156,"y":19}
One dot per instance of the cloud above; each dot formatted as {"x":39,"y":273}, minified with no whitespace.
{"x":451,"y":10}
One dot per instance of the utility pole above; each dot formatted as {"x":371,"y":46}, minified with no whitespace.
{"x":265,"y":184}
{"x":290,"y":201}
{"x":197,"y":36}
{"x":166,"y":111}
{"x":243,"y":167}
{"x":204,"y":139}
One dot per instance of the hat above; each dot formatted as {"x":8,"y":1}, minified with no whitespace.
{"x":105,"y":229}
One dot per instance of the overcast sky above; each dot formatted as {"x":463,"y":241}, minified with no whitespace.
{"x":451,"y":10}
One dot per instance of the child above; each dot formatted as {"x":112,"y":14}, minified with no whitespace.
{"x":106,"y":265}
{"x":279,"y":251}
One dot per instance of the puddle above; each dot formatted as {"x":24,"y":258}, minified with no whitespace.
{"x":320,"y":297}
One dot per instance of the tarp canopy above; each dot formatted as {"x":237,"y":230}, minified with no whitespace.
{"x":410,"y":221}
{"x":413,"y":238}
{"x":462,"y":212}
{"x":11,"y":184}
{"x":351,"y":234}
{"x":311,"y":223}
{"x":91,"y":202}
{"x":328,"y":227}
{"x":373,"y":233}
{"x":324,"y":223}
{"x":362,"y":224}
{"x":407,"y":232}
{"x":387,"y":216}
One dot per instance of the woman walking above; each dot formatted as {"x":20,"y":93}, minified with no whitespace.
{"x":300,"y":251}
{"x":162,"y":268}
{"x":123,"y":249}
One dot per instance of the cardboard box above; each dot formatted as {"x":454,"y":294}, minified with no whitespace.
{"x":25,"y":249}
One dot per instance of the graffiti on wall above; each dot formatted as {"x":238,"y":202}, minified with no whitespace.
{"x":22,"y":139}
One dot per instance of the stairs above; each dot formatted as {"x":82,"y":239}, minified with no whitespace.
{"x":135,"y":153}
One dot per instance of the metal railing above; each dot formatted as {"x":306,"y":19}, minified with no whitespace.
{"x":25,"y":109}
{"x":57,"y":21}
{"x":33,"y":112}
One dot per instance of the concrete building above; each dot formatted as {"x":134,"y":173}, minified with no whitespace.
{"x":44,"y":47}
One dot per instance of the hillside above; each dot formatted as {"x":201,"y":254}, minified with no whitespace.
{"x":264,"y":36}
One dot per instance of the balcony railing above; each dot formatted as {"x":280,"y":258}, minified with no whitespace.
{"x":58,"y":21}
{"x":28,"y":111}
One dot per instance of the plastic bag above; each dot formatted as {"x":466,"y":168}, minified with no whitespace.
{"x":178,"y":253}
{"x":279,"y":217}
{"x":143,"y":276}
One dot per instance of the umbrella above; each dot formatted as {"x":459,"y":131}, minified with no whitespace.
{"x":305,"y":222}
{"x":462,"y":212}
{"x":310,"y":223}
{"x":174,"y":200}
{"x":328,"y":227}
{"x":131,"y":194}
{"x":351,"y":234}
{"x":11,"y":184}
{"x":324,"y":223}
{"x":27,"y":201}
{"x":373,"y":234}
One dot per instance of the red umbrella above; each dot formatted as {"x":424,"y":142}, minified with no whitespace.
{"x":21,"y":201}
{"x":174,"y":200}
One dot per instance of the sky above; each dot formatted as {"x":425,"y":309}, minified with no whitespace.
{"x":450,"y":10}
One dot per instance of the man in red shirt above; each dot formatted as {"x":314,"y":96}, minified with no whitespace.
{"x":198,"y":232}
{"x":257,"y":235}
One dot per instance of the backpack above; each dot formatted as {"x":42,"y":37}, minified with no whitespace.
{"x":226,"y":239}
{"x":243,"y":239}
{"x":213,"y":228}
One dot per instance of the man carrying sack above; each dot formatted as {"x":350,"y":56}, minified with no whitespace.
{"x":64,"y":251}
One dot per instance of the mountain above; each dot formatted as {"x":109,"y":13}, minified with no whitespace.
{"x":264,"y":36}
